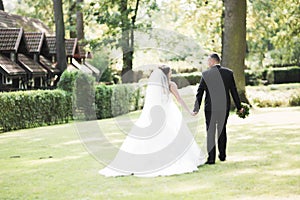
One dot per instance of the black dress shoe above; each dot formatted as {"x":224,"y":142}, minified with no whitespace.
{"x":222,"y":158}
{"x":209,"y":162}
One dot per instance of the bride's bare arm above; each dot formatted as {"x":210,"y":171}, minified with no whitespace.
{"x":174,"y":91}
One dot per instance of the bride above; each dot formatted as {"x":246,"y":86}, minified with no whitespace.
{"x":159,"y":143}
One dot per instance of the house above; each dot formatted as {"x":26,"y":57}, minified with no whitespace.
{"x":72,"y":51}
{"x":81,"y":58}
{"x":38,"y":50}
{"x":36,"y":74}
{"x":28,"y":58}
{"x":14,"y":46}
{"x":12,"y":75}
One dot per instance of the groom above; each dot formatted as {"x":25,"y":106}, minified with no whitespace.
{"x":217,"y":82}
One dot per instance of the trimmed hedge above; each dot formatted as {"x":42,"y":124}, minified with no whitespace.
{"x":283,"y":75}
{"x":273,"y":75}
{"x":114,"y":100}
{"x":100,"y":101}
{"x":253,"y":77}
{"x":28,"y":109}
{"x":67,"y":81}
{"x":77,"y":97}
{"x":186,"y":79}
{"x":83,"y":96}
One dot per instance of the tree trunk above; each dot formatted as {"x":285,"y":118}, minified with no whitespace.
{"x":127,"y":41}
{"x":234,"y":42}
{"x":72,"y":21}
{"x":1,"y":5}
{"x":79,"y":18}
{"x":60,"y":35}
{"x":127,"y":49}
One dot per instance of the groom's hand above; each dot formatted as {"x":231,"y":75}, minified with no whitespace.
{"x":194,"y":113}
{"x":242,"y":110}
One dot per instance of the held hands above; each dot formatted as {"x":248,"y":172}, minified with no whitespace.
{"x":193,"y":113}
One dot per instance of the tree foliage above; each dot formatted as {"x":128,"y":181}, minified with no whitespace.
{"x":39,"y":9}
{"x":120,"y":19}
{"x":273,"y":31}
{"x":43,"y":10}
{"x":272,"y":26}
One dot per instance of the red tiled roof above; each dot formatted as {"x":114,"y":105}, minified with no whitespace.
{"x":30,"y":65}
{"x":48,"y":65}
{"x":34,"y":41}
{"x":51,"y":40}
{"x":9,"y":67}
{"x":82,"y":51}
{"x":10,"y":39}
{"x":71,"y":47}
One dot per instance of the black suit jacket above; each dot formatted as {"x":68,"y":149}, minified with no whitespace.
{"x":217,"y":82}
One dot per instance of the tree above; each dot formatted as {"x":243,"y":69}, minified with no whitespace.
{"x":60,"y":35}
{"x":71,"y":18}
{"x":234,"y":41}
{"x":38,"y":9}
{"x":127,"y":40}
{"x":79,"y":17}
{"x":273,"y":32}
{"x":43,"y":10}
{"x":1,"y":5}
{"x":205,"y":21}
{"x":120,"y":18}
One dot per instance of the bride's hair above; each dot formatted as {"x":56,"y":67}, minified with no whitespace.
{"x":166,"y":70}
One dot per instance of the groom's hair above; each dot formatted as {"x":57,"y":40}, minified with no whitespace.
{"x":216,"y":57}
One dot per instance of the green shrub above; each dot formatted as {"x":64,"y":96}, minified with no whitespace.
{"x":295,"y":100}
{"x":103,"y":101}
{"x":183,"y":80}
{"x":121,"y":99}
{"x":268,"y":102}
{"x":29,"y":109}
{"x":81,"y":100}
{"x":253,"y":77}
{"x":67,"y":80}
{"x":84,"y":97}
{"x":188,"y":70}
{"x":114,"y":100}
{"x":283,"y":75}
{"x":80,"y":87}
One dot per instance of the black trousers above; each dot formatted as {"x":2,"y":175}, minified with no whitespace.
{"x":216,"y":120}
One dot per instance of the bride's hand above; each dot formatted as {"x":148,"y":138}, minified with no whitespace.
{"x":194,"y":113}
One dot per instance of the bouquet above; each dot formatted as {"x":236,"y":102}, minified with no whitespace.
{"x":245,"y":112}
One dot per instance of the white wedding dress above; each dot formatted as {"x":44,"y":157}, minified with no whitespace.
{"x":160,"y":143}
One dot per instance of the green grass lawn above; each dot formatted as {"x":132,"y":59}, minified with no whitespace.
{"x":51,"y":163}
